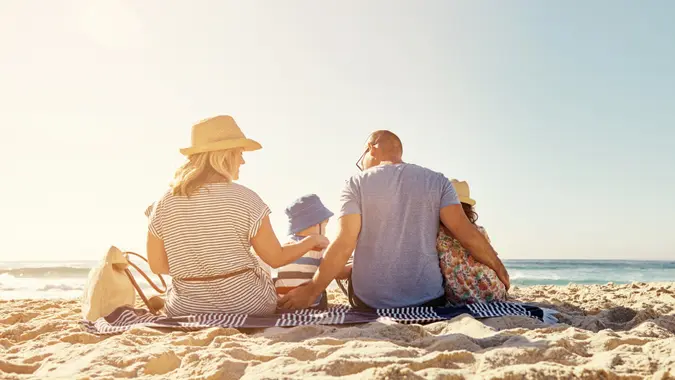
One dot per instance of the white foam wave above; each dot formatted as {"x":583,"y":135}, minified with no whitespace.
{"x":63,"y":287}
{"x":532,"y":275}
{"x":14,"y":265}
{"x":12,"y":287}
{"x":11,"y":283}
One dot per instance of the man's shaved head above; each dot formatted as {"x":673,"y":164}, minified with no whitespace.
{"x":382,"y":147}
{"x":389,"y":144}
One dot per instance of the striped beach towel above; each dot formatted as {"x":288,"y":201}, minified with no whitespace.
{"x":125,"y":318}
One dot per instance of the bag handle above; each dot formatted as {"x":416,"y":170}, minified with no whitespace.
{"x":153,"y":308}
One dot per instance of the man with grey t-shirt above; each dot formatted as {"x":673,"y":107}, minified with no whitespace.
{"x":389,"y":218}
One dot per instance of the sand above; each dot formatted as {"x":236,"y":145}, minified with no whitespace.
{"x":606,"y":332}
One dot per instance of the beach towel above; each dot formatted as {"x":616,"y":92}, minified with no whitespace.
{"x":125,"y":318}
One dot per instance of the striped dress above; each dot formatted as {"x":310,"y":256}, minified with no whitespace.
{"x":208,"y":234}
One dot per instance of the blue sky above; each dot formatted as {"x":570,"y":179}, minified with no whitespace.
{"x":560,"y":116}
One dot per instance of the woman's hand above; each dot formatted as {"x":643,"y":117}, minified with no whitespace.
{"x":320,"y":242}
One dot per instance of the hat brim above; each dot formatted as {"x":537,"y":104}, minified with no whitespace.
{"x":295,"y":228}
{"x":247,"y":144}
{"x":468,"y":201}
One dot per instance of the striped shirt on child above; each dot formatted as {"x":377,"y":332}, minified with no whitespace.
{"x":298,"y":272}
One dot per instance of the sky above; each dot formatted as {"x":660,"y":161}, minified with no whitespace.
{"x":561,"y":116}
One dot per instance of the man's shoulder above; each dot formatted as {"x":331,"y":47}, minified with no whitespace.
{"x":421,"y":169}
{"x":398,"y":171}
{"x":394,"y":171}
{"x":421,"y":173}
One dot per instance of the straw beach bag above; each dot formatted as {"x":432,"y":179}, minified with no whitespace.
{"x":111,"y":285}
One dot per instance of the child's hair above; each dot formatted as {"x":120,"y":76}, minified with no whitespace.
{"x":470,"y":212}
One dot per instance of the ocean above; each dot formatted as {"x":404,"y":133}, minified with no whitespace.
{"x":56,"y":279}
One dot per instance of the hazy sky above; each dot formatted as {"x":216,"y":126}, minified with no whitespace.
{"x":560,"y":115}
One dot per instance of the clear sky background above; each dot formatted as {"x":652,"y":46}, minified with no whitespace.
{"x":561,"y":115}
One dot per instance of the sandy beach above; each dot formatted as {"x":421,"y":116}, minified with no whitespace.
{"x":605,"y":332}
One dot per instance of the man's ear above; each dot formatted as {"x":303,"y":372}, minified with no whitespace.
{"x":374,"y":149}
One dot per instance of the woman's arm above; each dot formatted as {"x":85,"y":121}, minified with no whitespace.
{"x":266,"y":245}
{"x":157,"y":259}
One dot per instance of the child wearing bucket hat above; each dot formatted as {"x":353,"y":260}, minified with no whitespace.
{"x":306,"y":216}
{"x":465,"y":279}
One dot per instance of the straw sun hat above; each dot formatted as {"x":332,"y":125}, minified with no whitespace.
{"x":463,"y":193}
{"x":218,"y":133}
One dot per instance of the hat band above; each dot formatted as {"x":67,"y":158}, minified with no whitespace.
{"x":247,"y":144}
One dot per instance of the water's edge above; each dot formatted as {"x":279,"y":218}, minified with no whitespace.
{"x":67,"y":279}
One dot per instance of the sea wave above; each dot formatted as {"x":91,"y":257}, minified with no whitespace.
{"x":562,"y":282}
{"x":42,"y":272}
{"x":524,"y":278}
{"x":518,"y":275}
{"x":68,"y":279}
{"x":9,"y":283}
{"x":60,"y":287}
{"x":588,"y":264}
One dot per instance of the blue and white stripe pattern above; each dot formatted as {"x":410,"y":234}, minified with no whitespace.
{"x":299,"y":271}
{"x":410,"y":315}
{"x":498,"y":309}
{"x":124,"y":318}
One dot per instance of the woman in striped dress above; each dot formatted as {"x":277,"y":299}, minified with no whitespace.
{"x":202,"y":229}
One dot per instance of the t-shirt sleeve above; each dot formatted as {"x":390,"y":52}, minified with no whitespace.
{"x":448,"y":193}
{"x":155,"y":219}
{"x":350,"y":199}
{"x":258,"y":210}
{"x":148,"y":210}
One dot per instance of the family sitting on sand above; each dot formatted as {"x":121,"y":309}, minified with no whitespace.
{"x":411,"y":233}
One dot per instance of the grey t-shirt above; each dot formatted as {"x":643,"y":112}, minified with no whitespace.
{"x":395,"y":261}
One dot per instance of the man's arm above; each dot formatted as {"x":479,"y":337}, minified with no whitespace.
{"x":338,"y":252}
{"x":454,"y":218}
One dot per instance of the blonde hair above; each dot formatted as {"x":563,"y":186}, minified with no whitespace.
{"x":200,"y":168}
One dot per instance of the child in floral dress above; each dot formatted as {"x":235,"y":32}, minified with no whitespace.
{"x":465,"y":279}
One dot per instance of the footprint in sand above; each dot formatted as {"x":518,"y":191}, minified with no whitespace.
{"x":23,"y":369}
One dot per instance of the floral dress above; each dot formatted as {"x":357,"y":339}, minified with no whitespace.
{"x":465,"y":279}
